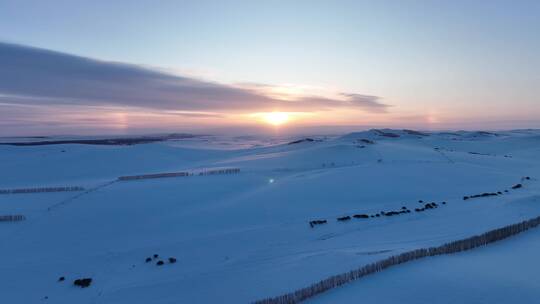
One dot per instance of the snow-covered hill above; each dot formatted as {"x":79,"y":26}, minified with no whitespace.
{"x":246,"y":236}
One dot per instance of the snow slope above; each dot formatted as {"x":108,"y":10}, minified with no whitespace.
{"x":246,"y":236}
{"x":499,"y":273}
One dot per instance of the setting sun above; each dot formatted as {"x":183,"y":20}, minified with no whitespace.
{"x":276,"y":118}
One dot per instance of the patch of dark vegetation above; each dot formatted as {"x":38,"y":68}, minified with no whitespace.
{"x":428,"y":206}
{"x":148,"y":260}
{"x":439,"y":149}
{"x":366,"y":141}
{"x":61,"y":279}
{"x":485,"y":133}
{"x":159,"y":263}
{"x":126,"y":141}
{"x":425,"y":207}
{"x":317,"y":222}
{"x":83,"y":283}
{"x":478,"y":153}
{"x":413,"y":132}
{"x":386,"y":134}
{"x":486,"y":194}
{"x":303,"y":140}
{"x":449,"y":134}
{"x":172,"y":260}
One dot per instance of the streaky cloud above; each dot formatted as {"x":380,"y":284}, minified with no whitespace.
{"x":36,"y":76}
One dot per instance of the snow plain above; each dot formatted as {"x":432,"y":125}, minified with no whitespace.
{"x":243,"y":237}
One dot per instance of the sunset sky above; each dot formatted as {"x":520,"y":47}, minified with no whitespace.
{"x":129,"y":67}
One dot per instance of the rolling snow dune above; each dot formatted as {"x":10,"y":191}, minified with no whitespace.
{"x":242,"y":237}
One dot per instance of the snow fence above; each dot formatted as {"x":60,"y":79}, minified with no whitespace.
{"x":448,"y":248}
{"x":178,"y":174}
{"x":12,"y":218}
{"x":38,"y":190}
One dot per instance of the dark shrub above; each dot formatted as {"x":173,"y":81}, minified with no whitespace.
{"x":156,"y":256}
{"x":517,"y":186}
{"x":344,"y":218}
{"x":159,"y":263}
{"x":83,"y":283}
{"x":172,"y":260}
{"x":148,"y":260}
{"x":367,"y":141}
{"x":61,"y":279}
{"x":317,"y":222}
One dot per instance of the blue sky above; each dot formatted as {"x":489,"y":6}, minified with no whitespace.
{"x":439,"y":64}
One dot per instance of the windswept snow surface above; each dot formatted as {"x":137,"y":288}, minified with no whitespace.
{"x":504,"y":272}
{"x":242,"y":237}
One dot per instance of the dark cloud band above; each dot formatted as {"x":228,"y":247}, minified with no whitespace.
{"x":43,"y":77}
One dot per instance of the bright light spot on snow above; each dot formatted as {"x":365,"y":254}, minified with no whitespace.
{"x":271,"y":181}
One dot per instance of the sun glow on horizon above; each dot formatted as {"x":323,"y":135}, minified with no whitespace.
{"x":279,"y":119}
{"x":276,"y":118}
